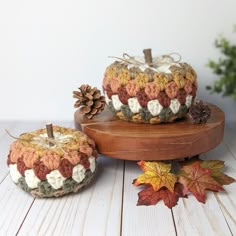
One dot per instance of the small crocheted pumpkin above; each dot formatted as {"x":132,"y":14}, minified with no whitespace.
{"x":161,"y":91}
{"x":55,"y":168}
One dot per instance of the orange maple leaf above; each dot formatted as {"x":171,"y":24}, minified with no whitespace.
{"x":216,"y":166}
{"x":197,"y":179}
{"x":156,"y":174}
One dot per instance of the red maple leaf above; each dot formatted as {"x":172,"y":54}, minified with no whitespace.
{"x":169,"y":182}
{"x":197,"y":179}
{"x":149,"y":197}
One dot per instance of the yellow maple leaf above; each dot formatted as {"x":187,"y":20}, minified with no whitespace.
{"x":157,"y":174}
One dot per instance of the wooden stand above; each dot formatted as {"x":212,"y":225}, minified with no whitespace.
{"x":132,"y":141}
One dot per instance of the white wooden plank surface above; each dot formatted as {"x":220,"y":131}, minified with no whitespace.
{"x":195,"y":219}
{"x":14,"y":205}
{"x":107,"y":207}
{"x":227,"y":200}
{"x":142,"y":220}
{"x":94,"y":211}
{"x":213,"y":221}
{"x":230,"y":138}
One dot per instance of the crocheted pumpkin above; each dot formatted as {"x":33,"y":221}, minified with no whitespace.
{"x":55,"y":168}
{"x":149,"y":93}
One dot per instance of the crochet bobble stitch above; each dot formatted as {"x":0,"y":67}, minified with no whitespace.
{"x":47,"y":171}
{"x":148,"y":96}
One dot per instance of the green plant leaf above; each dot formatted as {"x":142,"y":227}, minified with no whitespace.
{"x":225,"y":67}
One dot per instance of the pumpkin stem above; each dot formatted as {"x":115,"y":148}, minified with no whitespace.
{"x":148,"y":56}
{"x":50,"y":133}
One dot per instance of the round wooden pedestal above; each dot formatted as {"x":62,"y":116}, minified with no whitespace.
{"x":132,"y":141}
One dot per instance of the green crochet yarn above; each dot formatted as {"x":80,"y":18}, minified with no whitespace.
{"x":110,"y":104}
{"x":45,"y":188}
{"x":182,"y":111}
{"x":126,"y":111}
{"x":166,"y":114}
{"x":69,"y":185}
{"x":22,"y":184}
{"x":145,"y":114}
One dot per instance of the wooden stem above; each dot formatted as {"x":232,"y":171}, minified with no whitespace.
{"x":50,"y":132}
{"x":148,"y":56}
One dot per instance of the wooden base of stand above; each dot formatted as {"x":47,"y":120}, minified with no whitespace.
{"x":132,"y":141}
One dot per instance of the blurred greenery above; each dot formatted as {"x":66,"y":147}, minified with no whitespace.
{"x":225,"y":68}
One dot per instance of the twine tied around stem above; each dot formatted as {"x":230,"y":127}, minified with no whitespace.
{"x":149,"y":62}
{"x":47,"y":142}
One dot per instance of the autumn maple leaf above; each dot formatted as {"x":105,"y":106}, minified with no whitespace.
{"x":157,"y":174}
{"x":216,"y":166}
{"x":197,"y":179}
{"x":149,"y":197}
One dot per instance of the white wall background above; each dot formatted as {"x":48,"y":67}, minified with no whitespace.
{"x":50,"y":47}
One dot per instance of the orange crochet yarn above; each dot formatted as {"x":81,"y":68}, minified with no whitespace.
{"x":152,"y":90}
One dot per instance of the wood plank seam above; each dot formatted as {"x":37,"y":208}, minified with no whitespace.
{"x":4,"y":177}
{"x":143,"y":220}
{"x":221,"y":205}
{"x":59,"y":216}
{"x":174,"y":222}
{"x":44,"y":219}
{"x":122,"y":199}
{"x":89,"y":201}
{"x":113,"y":186}
{"x":229,"y":148}
{"x":227,"y":145}
{"x":25,"y":217}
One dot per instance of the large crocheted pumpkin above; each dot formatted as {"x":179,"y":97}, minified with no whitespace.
{"x":149,"y":93}
{"x":52,"y":169}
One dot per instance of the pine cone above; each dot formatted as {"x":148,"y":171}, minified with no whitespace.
{"x":199,"y":112}
{"x":90,"y":100}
